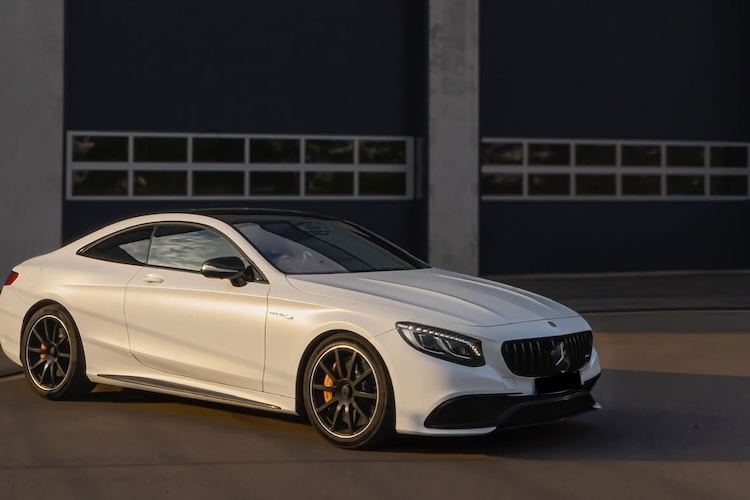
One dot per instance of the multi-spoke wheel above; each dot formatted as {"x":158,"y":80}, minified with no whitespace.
{"x":52,"y":354}
{"x":347,"y":393}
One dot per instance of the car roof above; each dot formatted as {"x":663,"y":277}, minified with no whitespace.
{"x":244,"y":215}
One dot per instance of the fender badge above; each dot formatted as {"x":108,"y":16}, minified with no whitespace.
{"x":281,"y":315}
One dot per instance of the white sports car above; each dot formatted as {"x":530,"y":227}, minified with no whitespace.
{"x":294,"y":313}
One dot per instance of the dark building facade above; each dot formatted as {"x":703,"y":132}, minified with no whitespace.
{"x":612,"y":137}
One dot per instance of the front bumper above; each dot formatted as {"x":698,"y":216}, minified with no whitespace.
{"x":436,"y":397}
{"x":504,"y":411}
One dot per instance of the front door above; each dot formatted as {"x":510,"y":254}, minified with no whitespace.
{"x":183,"y":323}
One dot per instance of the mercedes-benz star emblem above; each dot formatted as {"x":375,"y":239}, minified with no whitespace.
{"x":561,"y":357}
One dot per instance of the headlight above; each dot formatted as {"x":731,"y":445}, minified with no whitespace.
{"x":443,"y":344}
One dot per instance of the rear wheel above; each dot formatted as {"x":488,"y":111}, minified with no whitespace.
{"x":347,"y":394}
{"x":52,"y":355}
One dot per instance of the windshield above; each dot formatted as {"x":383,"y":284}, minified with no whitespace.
{"x":311,"y":246}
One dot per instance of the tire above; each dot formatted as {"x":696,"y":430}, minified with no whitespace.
{"x":52,"y":355}
{"x":347,"y":393}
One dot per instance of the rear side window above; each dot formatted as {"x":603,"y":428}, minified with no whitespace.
{"x":127,"y":247}
{"x":187,"y":247}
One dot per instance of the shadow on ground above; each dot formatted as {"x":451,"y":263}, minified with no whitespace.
{"x":646,"y":416}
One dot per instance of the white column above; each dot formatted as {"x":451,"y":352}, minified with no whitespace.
{"x":453,"y":135}
{"x":31,"y":128}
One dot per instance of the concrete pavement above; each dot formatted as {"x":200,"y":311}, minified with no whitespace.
{"x":673,"y":426}
{"x":7,"y":367}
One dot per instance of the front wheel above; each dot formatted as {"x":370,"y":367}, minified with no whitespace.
{"x":347,"y":393}
{"x":52,"y":355}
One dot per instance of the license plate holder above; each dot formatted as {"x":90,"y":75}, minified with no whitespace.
{"x":557,"y":383}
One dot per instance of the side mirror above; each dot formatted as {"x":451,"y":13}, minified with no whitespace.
{"x":227,"y":268}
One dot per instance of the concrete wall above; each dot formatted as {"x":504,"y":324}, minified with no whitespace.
{"x":453,"y":134}
{"x":31,"y":134}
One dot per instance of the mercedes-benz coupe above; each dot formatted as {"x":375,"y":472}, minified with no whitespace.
{"x":295,"y":313}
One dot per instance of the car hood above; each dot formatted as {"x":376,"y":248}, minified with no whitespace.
{"x":428,"y":292}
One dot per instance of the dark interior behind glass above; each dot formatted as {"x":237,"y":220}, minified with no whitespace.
{"x":313,"y":246}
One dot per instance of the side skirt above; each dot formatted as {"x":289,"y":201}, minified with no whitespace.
{"x":189,"y":391}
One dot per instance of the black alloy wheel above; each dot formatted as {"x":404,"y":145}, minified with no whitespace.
{"x":52,"y":355}
{"x":347,"y":393}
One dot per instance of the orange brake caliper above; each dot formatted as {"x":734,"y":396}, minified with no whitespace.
{"x":328,"y":382}
{"x":44,"y":348}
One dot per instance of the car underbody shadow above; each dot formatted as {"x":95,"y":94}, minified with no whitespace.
{"x":645,"y":416}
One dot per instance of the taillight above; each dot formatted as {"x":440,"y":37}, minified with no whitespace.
{"x":11,"y":278}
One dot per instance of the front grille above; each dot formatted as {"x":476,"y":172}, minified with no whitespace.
{"x":533,"y":357}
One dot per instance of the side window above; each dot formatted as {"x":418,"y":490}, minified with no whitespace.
{"x":128,"y":247}
{"x":187,"y":247}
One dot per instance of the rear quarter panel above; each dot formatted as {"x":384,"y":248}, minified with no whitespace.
{"x":92,"y":291}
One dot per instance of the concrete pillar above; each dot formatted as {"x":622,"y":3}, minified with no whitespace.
{"x":453,"y":134}
{"x":31,"y":128}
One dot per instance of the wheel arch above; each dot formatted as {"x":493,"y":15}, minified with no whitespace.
{"x":299,"y":402}
{"x":36,"y":308}
{"x":75,"y":382}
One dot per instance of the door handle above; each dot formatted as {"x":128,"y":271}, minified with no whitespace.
{"x":153,"y":278}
